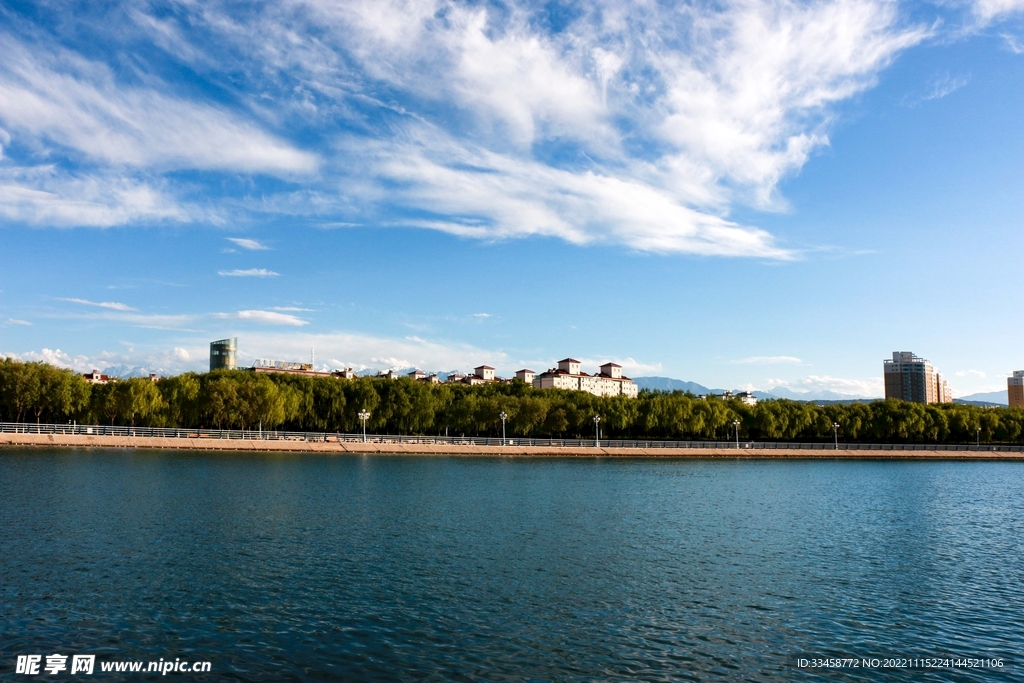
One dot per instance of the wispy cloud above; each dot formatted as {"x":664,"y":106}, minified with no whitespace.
{"x":768,"y":360}
{"x":481,"y":315}
{"x":112,"y":305}
{"x":988,"y":10}
{"x":245,"y":243}
{"x":15,"y":321}
{"x":1013,"y":43}
{"x":966,"y":373}
{"x":61,"y":97}
{"x":263,"y":318}
{"x":47,"y":195}
{"x":937,"y":88}
{"x":290,"y":308}
{"x":640,"y":124}
{"x":251,"y":272}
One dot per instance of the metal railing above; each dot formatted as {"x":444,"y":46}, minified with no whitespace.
{"x":338,"y":437}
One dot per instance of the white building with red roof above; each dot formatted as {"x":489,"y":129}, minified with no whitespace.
{"x":568,"y":375}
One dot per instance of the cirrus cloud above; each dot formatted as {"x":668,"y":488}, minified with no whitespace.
{"x":638,"y":124}
{"x":263,"y":318}
{"x":250,"y":272}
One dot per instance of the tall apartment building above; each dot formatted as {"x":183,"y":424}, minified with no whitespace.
{"x":911,"y":378}
{"x":1015,"y":389}
{"x":608,"y":382}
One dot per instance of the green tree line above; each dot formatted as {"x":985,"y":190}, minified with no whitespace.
{"x":38,"y":392}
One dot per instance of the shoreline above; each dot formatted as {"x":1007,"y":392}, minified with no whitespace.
{"x":346,"y":448}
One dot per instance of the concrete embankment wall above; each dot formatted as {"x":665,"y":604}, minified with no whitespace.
{"x":206,"y":444}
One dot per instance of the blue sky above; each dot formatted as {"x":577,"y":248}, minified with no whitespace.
{"x":744,"y":194}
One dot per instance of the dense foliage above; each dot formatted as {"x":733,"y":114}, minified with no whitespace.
{"x":37,"y":392}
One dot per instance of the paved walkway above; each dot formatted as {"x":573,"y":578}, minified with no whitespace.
{"x":95,"y":441}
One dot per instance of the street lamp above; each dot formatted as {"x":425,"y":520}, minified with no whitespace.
{"x":835,"y":428}
{"x":597,"y":431}
{"x":364,"y":416}
{"x":979,"y":437}
{"x":736,"y":423}
{"x":503,"y":416}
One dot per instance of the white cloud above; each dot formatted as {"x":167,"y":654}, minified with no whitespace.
{"x":55,"y":95}
{"x":48,"y":196}
{"x":1015,"y":45}
{"x":939,"y":87}
{"x":363,"y":351}
{"x":112,"y":305}
{"x":290,"y":308}
{"x":476,"y":193}
{"x":768,"y":360}
{"x":251,"y":272}
{"x":671,"y":113}
{"x":965,"y":373}
{"x":987,"y":10}
{"x":157,"y":360}
{"x":245,"y":243}
{"x":15,"y":321}
{"x":862,"y":388}
{"x":263,"y":317}
{"x":481,"y":315}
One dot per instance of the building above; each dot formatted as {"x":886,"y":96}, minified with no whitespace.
{"x":1015,"y":389}
{"x":526,"y":375}
{"x":568,"y":375}
{"x":482,"y":374}
{"x":747,"y":398}
{"x":911,"y":378}
{"x":417,"y":375}
{"x":95,"y":377}
{"x":267,"y":366}
{"x":224,"y":354}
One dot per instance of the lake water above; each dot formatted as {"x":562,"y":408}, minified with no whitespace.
{"x":317,"y":568}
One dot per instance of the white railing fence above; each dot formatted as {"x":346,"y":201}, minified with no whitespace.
{"x":338,"y":437}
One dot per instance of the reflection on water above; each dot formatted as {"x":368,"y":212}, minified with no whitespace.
{"x":413,"y":568}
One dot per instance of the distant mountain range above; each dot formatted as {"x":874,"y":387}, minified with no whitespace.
{"x":986,"y":397}
{"x":991,"y":398}
{"x":669,"y":384}
{"x":126,"y":371}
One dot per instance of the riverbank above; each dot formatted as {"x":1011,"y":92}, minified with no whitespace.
{"x":285,"y":446}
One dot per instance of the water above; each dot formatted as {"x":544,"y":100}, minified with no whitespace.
{"x":309,"y":568}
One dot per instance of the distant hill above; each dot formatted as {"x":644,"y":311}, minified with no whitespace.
{"x":669,"y":384}
{"x":997,"y":397}
{"x":125,"y":371}
{"x":783,"y":392}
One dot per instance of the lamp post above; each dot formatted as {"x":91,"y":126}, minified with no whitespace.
{"x":597,"y":431}
{"x":364,"y":416}
{"x":979,"y":437}
{"x":835,"y":429}
{"x":503,"y":416}
{"x":736,"y":423}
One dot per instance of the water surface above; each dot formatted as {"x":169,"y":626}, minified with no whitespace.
{"x":362,"y":568}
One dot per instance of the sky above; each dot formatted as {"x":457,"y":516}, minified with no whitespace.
{"x":750,"y":194}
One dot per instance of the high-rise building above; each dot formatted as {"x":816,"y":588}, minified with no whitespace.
{"x":910,"y":378}
{"x":1015,"y":389}
{"x":224,"y":354}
